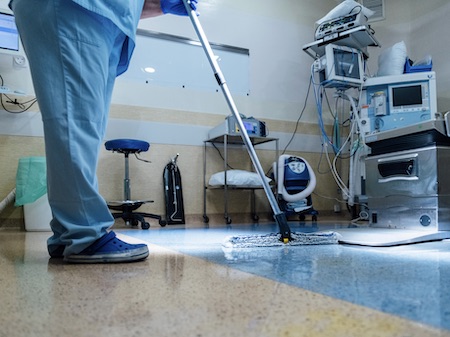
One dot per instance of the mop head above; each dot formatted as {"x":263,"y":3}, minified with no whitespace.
{"x":274,"y":240}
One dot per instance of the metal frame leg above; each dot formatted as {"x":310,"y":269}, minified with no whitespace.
{"x":205,"y":187}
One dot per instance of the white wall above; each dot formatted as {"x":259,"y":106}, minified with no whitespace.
{"x":430,"y":35}
{"x":279,"y":69}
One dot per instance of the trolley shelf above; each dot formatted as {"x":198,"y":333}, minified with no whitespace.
{"x":226,"y":140}
{"x":359,"y":37}
{"x":237,"y":139}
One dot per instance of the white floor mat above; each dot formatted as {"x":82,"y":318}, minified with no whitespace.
{"x":385,"y":237}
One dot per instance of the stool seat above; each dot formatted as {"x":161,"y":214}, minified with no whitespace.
{"x":127,"y":145}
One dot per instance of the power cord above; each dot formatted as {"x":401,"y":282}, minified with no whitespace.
{"x":23,"y":106}
{"x":299,"y":117}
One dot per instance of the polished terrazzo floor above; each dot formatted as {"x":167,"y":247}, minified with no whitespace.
{"x":191,"y":286}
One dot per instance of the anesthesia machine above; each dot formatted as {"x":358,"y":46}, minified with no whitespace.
{"x":396,"y":143}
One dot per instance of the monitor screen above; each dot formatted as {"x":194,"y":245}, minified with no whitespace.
{"x":407,"y":95}
{"x":9,"y":36}
{"x":346,"y":63}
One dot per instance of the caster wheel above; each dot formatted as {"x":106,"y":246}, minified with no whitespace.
{"x":162,"y":223}
{"x":314,"y":218}
{"x":255,"y":218}
{"x":228,"y":220}
{"x":132,"y":222}
{"x":145,"y":225}
{"x":205,"y":219}
{"x":302,"y":217}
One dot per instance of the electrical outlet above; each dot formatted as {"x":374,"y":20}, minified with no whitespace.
{"x":19,"y":61}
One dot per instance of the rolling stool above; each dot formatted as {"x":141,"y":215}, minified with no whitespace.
{"x":127,"y":207}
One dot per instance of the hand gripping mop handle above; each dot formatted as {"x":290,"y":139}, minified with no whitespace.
{"x":280,"y":217}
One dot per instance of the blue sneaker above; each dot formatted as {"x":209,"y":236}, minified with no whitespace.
{"x":110,"y":249}
{"x":56,"y":251}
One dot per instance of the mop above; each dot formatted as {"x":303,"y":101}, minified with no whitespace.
{"x":274,"y":239}
{"x":285,"y":236}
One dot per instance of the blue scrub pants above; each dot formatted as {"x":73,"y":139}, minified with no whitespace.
{"x":73,"y":56}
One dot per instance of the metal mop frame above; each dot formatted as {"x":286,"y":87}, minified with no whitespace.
{"x":279,"y":216}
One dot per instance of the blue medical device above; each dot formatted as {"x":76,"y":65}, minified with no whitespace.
{"x":295,"y":183}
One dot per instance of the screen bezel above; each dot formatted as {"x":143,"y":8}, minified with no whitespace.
{"x":416,"y":104}
{"x":333,"y":78}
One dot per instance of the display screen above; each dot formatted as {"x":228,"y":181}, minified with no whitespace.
{"x":346,"y":64}
{"x":250,"y":127}
{"x":9,"y":36}
{"x":407,"y":95}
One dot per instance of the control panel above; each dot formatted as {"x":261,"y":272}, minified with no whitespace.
{"x":340,"y":24}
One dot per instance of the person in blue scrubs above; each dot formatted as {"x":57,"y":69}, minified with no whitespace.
{"x":76,"y":49}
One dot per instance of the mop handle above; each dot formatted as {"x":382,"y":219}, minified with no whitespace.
{"x":279,"y":216}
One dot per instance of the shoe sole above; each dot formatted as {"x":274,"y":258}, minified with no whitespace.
{"x":133,"y":255}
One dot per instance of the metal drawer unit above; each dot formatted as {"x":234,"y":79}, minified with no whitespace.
{"x":410,"y":189}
